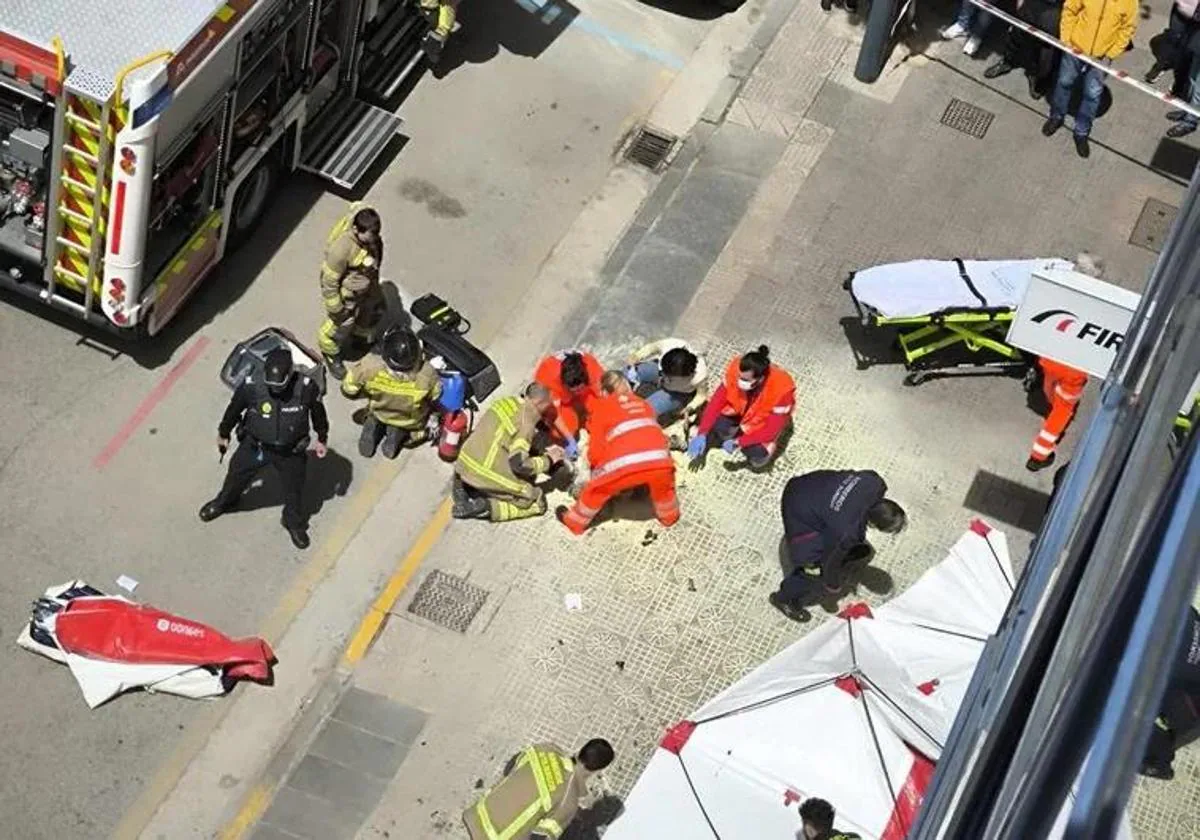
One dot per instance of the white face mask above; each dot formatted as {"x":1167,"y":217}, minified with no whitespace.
{"x":746,"y":385}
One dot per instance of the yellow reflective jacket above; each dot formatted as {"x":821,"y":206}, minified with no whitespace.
{"x":403,"y":400}
{"x":541,"y":793}
{"x":343,"y":255}
{"x":1098,"y":28}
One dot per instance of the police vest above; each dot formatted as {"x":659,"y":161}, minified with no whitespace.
{"x":278,"y":421}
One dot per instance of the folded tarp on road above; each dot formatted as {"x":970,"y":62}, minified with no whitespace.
{"x":919,"y":288}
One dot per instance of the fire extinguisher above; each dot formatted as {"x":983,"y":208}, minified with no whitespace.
{"x":454,"y":425}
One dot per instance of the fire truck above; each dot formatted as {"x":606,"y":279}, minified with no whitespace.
{"x":142,"y":140}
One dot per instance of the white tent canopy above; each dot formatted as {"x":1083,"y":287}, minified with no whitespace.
{"x":856,"y":712}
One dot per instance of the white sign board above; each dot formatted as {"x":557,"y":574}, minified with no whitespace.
{"x":1073,"y":319}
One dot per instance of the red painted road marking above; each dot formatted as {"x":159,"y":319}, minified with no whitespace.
{"x":150,"y":403}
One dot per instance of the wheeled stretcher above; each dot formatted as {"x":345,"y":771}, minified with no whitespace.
{"x":949,"y":315}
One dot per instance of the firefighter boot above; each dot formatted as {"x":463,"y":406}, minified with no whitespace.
{"x":467,"y":505}
{"x":368,"y":440}
{"x":335,"y":366}
{"x":395,"y":439}
{"x":432,"y":45}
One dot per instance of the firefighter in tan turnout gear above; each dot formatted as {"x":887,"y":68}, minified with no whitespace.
{"x":442,"y":16}
{"x":539,"y":794}
{"x":495,"y":471}
{"x":401,"y":388}
{"x":350,"y":284}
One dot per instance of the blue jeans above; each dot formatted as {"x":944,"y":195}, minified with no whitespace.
{"x":1069,"y":70}
{"x":968,"y":14}
{"x":663,"y":402}
{"x":1194,"y":94}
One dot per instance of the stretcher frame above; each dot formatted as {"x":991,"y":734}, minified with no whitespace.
{"x":921,"y":338}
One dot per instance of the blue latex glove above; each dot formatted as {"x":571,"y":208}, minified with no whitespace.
{"x":730,"y":446}
{"x":696,"y":446}
{"x":572,"y":448}
{"x":632,"y":375}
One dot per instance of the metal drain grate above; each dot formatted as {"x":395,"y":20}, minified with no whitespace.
{"x":1153,"y":225}
{"x":967,"y":118}
{"x":650,"y":148}
{"x":448,"y":600}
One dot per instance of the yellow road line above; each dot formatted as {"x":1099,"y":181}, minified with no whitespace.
{"x":259,"y":799}
{"x":368,"y":629}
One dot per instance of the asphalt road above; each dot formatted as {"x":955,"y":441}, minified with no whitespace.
{"x":108,"y":451}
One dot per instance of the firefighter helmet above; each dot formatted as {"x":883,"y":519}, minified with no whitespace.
{"x":401,"y":349}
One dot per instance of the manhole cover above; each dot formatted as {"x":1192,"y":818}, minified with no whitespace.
{"x":967,"y":118}
{"x":1153,"y":225}
{"x":448,"y":600}
{"x":650,"y":148}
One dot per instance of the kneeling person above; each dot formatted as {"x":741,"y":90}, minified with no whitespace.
{"x":626,"y":449}
{"x":825,"y":518}
{"x":750,"y":410}
{"x":495,"y":471}
{"x":672,"y":376}
{"x":401,"y":388}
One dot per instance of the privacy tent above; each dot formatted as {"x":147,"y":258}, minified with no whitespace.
{"x":856,"y":712}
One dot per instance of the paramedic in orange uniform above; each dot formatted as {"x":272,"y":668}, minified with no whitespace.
{"x":749,"y":411}
{"x":573,"y":377}
{"x":627,"y":449}
{"x":1063,"y":386}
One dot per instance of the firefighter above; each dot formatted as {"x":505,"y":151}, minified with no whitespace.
{"x":817,"y":818}
{"x":750,"y":410}
{"x":539,"y":795}
{"x":825,"y":518}
{"x":1179,"y":711}
{"x":272,"y":419}
{"x":350,"y":289}
{"x":442,"y":17}
{"x":495,"y":471}
{"x":626,"y":449}
{"x":401,"y":388}
{"x":1063,"y":386}
{"x":573,"y":378}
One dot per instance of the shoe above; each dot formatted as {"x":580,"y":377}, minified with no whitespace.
{"x":1083,"y":148}
{"x":1153,"y":73}
{"x":953,"y":32}
{"x":335,"y":367}
{"x":1035,"y":90}
{"x":1034,"y":465}
{"x":1181,"y":129}
{"x":792,"y":610}
{"x":368,"y":439}
{"x":299,"y":536}
{"x":1000,"y":68}
{"x":210,"y":511}
{"x":432,"y":45}
{"x":394,"y":440}
{"x":1157,"y":771}
{"x":467,"y":506}
{"x":972,"y":46}
{"x":826,"y":5}
{"x":1051,"y":125}
{"x":560,"y":513}
{"x":1177,"y":116}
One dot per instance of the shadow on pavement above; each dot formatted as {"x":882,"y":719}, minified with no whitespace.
{"x":696,"y":9}
{"x":588,"y":822}
{"x":521,"y":27}
{"x":327,"y":478}
{"x":871,"y":345}
{"x":1003,"y":500}
{"x":1176,"y":159}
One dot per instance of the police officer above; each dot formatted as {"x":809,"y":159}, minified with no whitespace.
{"x":825,"y":518}
{"x":817,"y":816}
{"x":272,"y":419}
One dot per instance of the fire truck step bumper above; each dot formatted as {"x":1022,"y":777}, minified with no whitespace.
{"x":346,"y":139}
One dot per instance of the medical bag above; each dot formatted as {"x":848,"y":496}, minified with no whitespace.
{"x":432,"y":310}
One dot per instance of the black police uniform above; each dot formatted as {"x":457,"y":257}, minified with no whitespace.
{"x":273,"y":430}
{"x":824,"y":520}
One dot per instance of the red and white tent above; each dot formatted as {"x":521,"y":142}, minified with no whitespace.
{"x":856,"y":712}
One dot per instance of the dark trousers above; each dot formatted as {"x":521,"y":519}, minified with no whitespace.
{"x":248,"y":459}
{"x":727,"y":428}
{"x":1038,"y":59}
{"x":802,"y":586}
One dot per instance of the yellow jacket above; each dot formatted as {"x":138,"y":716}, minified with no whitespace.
{"x":1098,"y":28}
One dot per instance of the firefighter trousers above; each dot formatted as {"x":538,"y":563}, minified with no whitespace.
{"x":660,"y":481}
{"x":357,"y":316}
{"x":250,"y":458}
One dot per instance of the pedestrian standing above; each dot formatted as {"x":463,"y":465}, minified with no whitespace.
{"x":272,"y":415}
{"x":1063,"y":388}
{"x":971,"y":23}
{"x":1180,"y":51}
{"x":1099,"y":29}
{"x":1038,"y":59}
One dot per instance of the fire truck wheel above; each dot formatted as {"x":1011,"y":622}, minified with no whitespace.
{"x":252,"y":199}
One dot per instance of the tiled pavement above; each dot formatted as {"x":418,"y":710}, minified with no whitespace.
{"x":807,"y":179}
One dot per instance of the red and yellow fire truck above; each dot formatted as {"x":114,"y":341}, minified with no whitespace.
{"x":141,"y":140}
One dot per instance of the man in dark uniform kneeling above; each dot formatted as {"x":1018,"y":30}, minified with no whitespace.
{"x":272,"y":418}
{"x":825,"y":518}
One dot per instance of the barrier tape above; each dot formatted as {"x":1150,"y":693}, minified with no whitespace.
{"x":1119,"y":75}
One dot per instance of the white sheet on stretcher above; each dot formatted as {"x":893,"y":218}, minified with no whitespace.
{"x":923,"y":287}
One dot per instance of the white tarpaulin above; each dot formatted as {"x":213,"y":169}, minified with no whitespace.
{"x":856,"y":712}
{"x":923,"y":287}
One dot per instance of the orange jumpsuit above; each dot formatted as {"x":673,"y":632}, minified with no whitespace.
{"x":627,"y":449}
{"x":573,"y":407}
{"x":1063,"y":386}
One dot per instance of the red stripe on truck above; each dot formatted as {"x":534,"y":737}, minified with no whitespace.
{"x":118,"y":219}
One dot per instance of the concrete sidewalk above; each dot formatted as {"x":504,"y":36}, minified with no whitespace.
{"x":805,"y":177}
